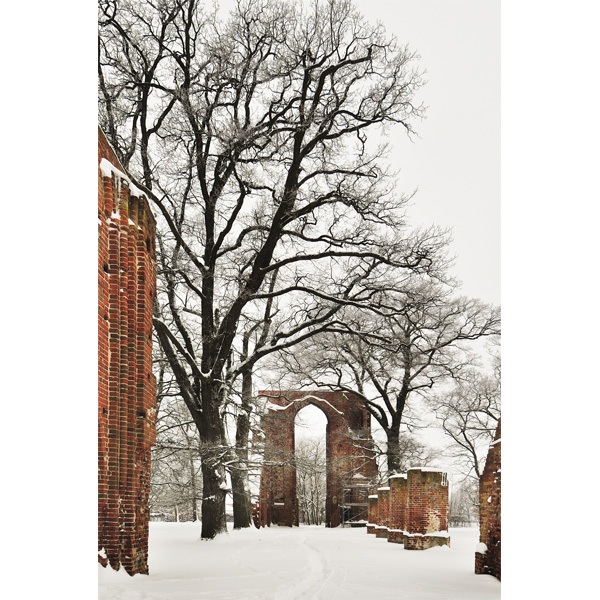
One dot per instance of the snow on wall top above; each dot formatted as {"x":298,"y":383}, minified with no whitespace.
{"x":427,"y":469}
{"x":272,"y":406}
{"x":444,"y":534}
{"x":108,"y":169}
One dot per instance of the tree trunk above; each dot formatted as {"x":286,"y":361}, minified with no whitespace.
{"x":193,"y":481}
{"x":393,"y":450}
{"x":242,"y":505}
{"x":213,"y":501}
{"x":214,"y":488}
{"x":242,"y":509}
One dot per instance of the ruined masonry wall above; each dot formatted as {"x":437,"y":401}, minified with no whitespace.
{"x":398,"y":502}
{"x":346,"y":463}
{"x":126,"y":385}
{"x":373,"y":513}
{"x":427,"y":509}
{"x":413,"y":510}
{"x":488,"y":558}
{"x":383,"y":512}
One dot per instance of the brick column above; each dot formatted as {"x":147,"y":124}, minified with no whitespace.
{"x":373,"y":513}
{"x":383,"y":505}
{"x":126,"y":385}
{"x":488,"y":552}
{"x":398,"y":509}
{"x":427,"y":515}
{"x":278,"y":478}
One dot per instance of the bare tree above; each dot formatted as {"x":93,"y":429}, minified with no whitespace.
{"x":250,"y":137}
{"x":175,"y":471}
{"x":412,"y":452}
{"x":387,"y":357}
{"x":463,"y":509}
{"x":175,"y":480}
{"x":311,"y":469}
{"x":469,"y":414}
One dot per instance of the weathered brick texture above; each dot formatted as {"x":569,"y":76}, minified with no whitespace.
{"x":126,"y":385}
{"x":398,"y":502}
{"x":428,"y":501}
{"x":413,"y":510}
{"x":373,"y":513}
{"x":489,"y":560}
{"x":383,"y":512}
{"x":347,"y":423}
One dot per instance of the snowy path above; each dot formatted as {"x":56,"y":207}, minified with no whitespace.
{"x":306,"y":563}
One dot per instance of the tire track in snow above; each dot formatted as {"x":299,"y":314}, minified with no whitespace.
{"x":328,"y":572}
{"x":339,"y":587}
{"x":320,"y":571}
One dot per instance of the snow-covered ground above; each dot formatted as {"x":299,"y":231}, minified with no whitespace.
{"x":309,"y":563}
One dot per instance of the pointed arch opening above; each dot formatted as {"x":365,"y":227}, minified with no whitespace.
{"x":310,"y":458}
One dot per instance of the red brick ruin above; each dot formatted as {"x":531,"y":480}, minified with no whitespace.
{"x":487,"y":556}
{"x":412,"y":510}
{"x":126,"y":385}
{"x":351,"y":466}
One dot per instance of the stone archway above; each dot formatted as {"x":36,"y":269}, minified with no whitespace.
{"x":351,"y":466}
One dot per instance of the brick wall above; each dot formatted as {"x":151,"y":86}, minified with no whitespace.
{"x":373,"y":513}
{"x":488,"y":557}
{"x":383,"y":512}
{"x":126,"y":385}
{"x":413,"y":509}
{"x":398,"y":509}
{"x":427,"y":509}
{"x":346,"y":417}
{"x":398,"y":498}
{"x":428,"y":501}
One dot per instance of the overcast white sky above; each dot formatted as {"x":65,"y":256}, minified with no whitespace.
{"x":456,"y":162}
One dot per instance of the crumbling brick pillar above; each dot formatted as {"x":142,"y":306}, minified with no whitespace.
{"x":373,"y":513}
{"x":383,"y":516}
{"x":398,"y":508}
{"x":488,"y":552}
{"x":278,"y":504}
{"x":126,"y":385}
{"x":427,"y":515}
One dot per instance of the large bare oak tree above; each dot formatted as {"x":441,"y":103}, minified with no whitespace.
{"x":251,"y":136}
